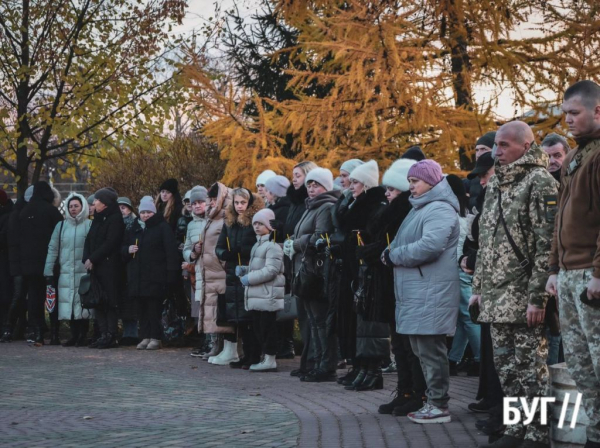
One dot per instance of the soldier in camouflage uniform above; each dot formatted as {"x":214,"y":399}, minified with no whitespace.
{"x":576,"y":250}
{"x":509,"y":281}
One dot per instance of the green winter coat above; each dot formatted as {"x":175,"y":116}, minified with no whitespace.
{"x":505,"y":288}
{"x":72,"y":240}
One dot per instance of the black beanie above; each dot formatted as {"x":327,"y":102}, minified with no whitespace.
{"x":214,"y":191}
{"x":171,"y":185}
{"x":108,"y":196}
{"x":414,"y":153}
{"x":487,"y":139}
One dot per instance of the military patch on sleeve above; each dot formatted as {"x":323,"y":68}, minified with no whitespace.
{"x":550,"y":207}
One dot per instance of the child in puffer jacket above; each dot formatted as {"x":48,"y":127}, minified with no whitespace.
{"x":264,"y":284}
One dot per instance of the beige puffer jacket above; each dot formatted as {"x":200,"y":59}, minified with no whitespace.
{"x":265,"y":276}
{"x":213,"y":269}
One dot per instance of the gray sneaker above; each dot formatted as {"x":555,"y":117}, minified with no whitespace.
{"x":430,"y":414}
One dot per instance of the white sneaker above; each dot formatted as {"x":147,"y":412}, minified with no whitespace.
{"x":268,"y":364}
{"x":229,"y":354}
{"x":153,"y":345}
{"x":142,"y":345}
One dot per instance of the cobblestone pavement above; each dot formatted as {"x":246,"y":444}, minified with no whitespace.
{"x":78,"y":397}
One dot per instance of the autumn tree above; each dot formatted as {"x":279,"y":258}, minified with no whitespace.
{"x":404,"y":72}
{"x":137,"y":171}
{"x":80,"y":76}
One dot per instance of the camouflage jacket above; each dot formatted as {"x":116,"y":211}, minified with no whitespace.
{"x":505,"y":287}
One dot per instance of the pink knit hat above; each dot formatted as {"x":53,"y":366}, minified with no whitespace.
{"x":428,"y":171}
{"x":264,"y":216}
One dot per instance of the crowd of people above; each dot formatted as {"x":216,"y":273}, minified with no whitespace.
{"x":507,"y":261}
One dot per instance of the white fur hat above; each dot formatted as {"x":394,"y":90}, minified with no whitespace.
{"x":367,"y":174}
{"x":322,"y":176}
{"x":264,"y":176}
{"x":397,"y":175}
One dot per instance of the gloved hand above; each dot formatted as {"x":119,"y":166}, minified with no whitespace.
{"x":227,"y":255}
{"x":49,"y":281}
{"x":385,"y":258}
{"x":276,"y":224}
{"x":288,"y":249}
{"x":321,"y":244}
{"x":333,"y":251}
{"x":244,"y":280}
{"x":240,"y":271}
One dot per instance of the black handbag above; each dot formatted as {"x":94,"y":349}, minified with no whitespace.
{"x":90,"y":292}
{"x":290,"y":309}
{"x":308,"y":284}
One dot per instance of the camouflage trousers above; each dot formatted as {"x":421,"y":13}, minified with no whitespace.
{"x":520,"y":356}
{"x":581,"y":338}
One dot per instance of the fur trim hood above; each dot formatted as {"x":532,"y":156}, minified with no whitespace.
{"x":244,"y":219}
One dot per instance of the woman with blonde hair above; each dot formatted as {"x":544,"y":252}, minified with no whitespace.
{"x":297,"y":195}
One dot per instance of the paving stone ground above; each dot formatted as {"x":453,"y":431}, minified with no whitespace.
{"x":79,"y":397}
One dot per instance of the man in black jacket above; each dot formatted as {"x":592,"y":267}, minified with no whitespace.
{"x":36,"y":223}
{"x":101,"y":255}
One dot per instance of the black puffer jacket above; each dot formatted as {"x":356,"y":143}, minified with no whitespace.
{"x":156,"y":263}
{"x":240,"y":233}
{"x":103,"y":249}
{"x":36,"y":223}
{"x":281,"y":209}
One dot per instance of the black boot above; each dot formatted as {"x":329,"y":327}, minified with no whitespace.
{"x":6,"y":337}
{"x":399,"y":399}
{"x":362,"y":374}
{"x":349,"y":377}
{"x":74,"y":324}
{"x":39,"y":337}
{"x":373,"y":381}
{"x":96,"y":342}
{"x":287,"y":350}
{"x":84,"y":328}
{"x":110,"y":341}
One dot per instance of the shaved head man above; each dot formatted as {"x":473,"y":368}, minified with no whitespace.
{"x":514,"y":244}
{"x":513,"y":140}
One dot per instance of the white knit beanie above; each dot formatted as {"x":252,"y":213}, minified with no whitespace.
{"x":367,"y":174}
{"x":397,"y":175}
{"x":350,"y":165}
{"x":264,"y":176}
{"x":322,"y":176}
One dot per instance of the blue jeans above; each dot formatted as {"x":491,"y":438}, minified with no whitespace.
{"x":466,"y":330}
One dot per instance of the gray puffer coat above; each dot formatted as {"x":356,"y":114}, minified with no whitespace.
{"x":265,"y":276}
{"x":72,"y":240}
{"x":315,"y":221}
{"x":423,"y":252}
